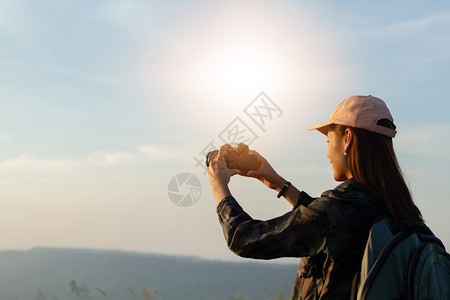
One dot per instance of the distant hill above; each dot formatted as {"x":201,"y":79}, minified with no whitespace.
{"x":45,"y":273}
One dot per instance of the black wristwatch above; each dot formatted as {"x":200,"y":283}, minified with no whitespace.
{"x":283,"y":189}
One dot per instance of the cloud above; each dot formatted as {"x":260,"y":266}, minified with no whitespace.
{"x":98,"y":167}
{"x":133,"y":16}
{"x":30,"y":161}
{"x":5,"y":138}
{"x":122,"y":12}
{"x":420,"y":25}
{"x":161,"y":153}
{"x":111,"y":158}
{"x":428,"y":140}
{"x":8,"y":11}
{"x":431,"y":28}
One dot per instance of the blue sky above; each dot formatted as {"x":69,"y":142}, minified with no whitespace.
{"x":103,"y":103}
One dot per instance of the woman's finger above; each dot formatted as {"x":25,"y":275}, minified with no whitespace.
{"x":222,"y":150}
{"x":235,"y":172}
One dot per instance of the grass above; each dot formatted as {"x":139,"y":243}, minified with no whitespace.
{"x":81,"y":291}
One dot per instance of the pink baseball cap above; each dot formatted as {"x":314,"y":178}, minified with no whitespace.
{"x":361,"y":112}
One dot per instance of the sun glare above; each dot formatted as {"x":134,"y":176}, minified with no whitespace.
{"x":238,"y":54}
{"x":238,"y":70}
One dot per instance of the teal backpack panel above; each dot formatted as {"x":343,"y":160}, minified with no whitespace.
{"x":403,"y":261}
{"x":428,"y":274}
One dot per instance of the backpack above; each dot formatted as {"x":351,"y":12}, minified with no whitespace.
{"x":402,"y":261}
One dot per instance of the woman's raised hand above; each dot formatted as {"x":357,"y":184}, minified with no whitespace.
{"x":220,"y":174}
{"x":266,"y":174}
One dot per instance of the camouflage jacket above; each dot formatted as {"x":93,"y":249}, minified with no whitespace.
{"x":330,"y":232}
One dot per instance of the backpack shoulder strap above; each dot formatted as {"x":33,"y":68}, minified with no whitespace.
{"x":428,"y":269}
{"x":384,"y":236}
{"x":398,"y":238}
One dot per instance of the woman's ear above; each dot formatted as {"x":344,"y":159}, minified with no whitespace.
{"x":348,"y":138}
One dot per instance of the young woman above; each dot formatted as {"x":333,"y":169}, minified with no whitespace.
{"x":330,"y":232}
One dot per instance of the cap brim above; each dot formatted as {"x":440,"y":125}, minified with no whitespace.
{"x":322,"y":127}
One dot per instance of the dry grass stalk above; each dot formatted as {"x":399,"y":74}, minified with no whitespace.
{"x":101,"y":292}
{"x":132,"y":293}
{"x":147,"y":294}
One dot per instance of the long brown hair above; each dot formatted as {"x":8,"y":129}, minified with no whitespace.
{"x":374,"y":165}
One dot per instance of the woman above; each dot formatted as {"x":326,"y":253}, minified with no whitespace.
{"x":331,"y":231}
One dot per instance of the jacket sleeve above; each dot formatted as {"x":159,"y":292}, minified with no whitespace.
{"x":297,"y":233}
